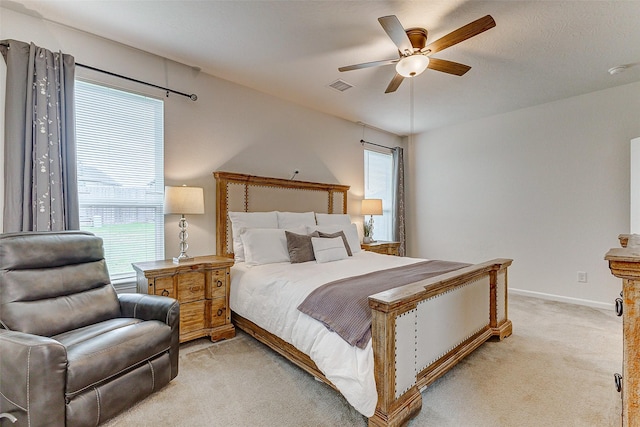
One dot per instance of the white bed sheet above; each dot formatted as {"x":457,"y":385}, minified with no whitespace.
{"x":268,"y":295}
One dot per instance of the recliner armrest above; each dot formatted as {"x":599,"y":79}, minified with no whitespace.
{"x":149,"y":307}
{"x":33,"y":371}
{"x":155,"y":307}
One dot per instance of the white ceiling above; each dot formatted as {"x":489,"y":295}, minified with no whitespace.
{"x":539,"y":51}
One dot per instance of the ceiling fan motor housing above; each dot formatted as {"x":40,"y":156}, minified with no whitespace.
{"x":418,"y":38}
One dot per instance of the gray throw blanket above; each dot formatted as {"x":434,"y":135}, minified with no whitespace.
{"x":343,"y":305}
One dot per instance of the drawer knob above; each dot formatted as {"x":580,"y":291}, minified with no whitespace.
{"x":219,"y":283}
{"x":619,"y":305}
{"x":165,"y":293}
{"x":220,"y":312}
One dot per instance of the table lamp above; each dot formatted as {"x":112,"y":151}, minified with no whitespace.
{"x":371,"y":207}
{"x":183,"y":200}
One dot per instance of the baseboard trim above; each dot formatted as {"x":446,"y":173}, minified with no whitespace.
{"x":559,"y":298}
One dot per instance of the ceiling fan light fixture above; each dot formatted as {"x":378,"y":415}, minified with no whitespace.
{"x":413,"y":65}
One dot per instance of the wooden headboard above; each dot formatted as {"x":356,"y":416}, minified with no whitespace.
{"x":248,"y":193}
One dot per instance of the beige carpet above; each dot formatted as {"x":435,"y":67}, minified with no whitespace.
{"x":555,"y":370}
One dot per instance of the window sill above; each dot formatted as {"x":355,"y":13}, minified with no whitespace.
{"x":125,"y":285}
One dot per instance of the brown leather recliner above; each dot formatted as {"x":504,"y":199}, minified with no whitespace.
{"x":72,"y":351}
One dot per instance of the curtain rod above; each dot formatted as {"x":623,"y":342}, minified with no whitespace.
{"x":193,"y":96}
{"x":362,"y":141}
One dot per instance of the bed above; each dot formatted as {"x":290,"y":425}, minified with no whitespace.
{"x":418,"y":331}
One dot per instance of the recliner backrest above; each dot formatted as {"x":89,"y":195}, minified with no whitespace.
{"x":53,"y":282}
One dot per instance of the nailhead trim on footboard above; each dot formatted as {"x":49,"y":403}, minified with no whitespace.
{"x":438,"y":325}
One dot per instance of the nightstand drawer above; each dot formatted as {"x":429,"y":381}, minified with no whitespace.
{"x":192,"y":315}
{"x":164,"y":286}
{"x":218,"y":312}
{"x":190,"y":286}
{"x":218,"y":286}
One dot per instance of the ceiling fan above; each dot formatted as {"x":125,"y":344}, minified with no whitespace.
{"x":415,"y":54}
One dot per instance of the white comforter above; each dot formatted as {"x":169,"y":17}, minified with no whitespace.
{"x":269,"y":295}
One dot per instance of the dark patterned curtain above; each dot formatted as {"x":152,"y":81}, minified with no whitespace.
{"x":398,"y":218}
{"x":41,"y":191}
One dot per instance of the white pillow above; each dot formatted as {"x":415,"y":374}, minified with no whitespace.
{"x":333,"y":219}
{"x":264,"y":246}
{"x":327,"y":250}
{"x":240,"y":220}
{"x":350,"y":232}
{"x":295,"y":219}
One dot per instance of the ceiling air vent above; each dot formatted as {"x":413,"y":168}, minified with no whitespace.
{"x":340,"y":85}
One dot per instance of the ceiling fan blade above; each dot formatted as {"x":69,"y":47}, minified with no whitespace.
{"x":396,"y":32}
{"x":369,"y":64}
{"x":461,"y":34}
{"x":448,"y":66}
{"x":395,"y":83}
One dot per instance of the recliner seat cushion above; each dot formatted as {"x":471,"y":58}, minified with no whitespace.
{"x":95,"y":358}
{"x":76,"y":336}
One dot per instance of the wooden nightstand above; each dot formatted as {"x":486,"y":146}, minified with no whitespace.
{"x":382,"y":247}
{"x":201,"y":286}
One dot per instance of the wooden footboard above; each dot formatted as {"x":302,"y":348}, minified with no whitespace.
{"x":422,"y":330}
{"x":419,"y":332}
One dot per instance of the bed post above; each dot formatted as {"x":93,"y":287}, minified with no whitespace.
{"x":390,"y":411}
{"x":500,"y":324}
{"x":221,"y":215}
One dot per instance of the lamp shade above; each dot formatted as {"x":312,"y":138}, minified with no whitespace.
{"x":183,"y":200}
{"x":413,"y":65}
{"x":371,"y":207}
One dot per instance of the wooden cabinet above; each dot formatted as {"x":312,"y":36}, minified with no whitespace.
{"x":202,"y":287}
{"x":625,"y":263}
{"x":382,"y":247}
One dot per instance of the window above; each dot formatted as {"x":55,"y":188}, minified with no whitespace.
{"x":378,"y":184}
{"x":120,"y":143}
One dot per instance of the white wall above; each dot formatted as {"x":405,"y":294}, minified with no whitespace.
{"x":230,"y":127}
{"x":547,"y":186}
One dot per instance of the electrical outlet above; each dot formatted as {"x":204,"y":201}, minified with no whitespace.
{"x":582,"y":276}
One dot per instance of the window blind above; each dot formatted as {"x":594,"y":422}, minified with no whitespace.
{"x":378,"y":184}
{"x":120,"y":146}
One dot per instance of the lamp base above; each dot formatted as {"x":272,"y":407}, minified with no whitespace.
{"x":182,"y":258}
